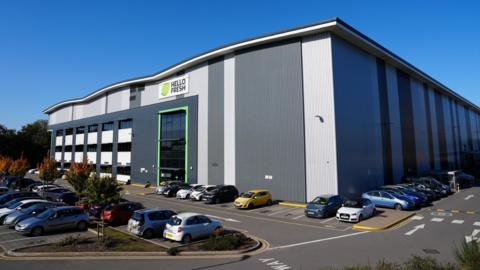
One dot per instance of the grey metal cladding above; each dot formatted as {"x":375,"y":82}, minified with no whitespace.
{"x":429,"y":127}
{"x":442,"y":138}
{"x":215,"y":122}
{"x":269,"y":127}
{"x":144,"y":136}
{"x":357,"y":116}
{"x":469,"y":129}
{"x":136,"y":95}
{"x":406,"y":121}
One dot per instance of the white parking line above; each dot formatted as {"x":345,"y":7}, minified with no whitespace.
{"x":6,"y":233}
{"x":280,"y":211}
{"x":318,"y":240}
{"x":436,"y":219}
{"x":457,"y":221}
{"x":416,"y":217}
{"x":298,"y":217}
{"x":327,"y":220}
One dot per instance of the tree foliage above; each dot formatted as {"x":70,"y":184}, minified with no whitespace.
{"x":5,"y":164}
{"x":77,"y":176}
{"x":19,"y":167}
{"x":103,"y":190}
{"x":48,"y":169}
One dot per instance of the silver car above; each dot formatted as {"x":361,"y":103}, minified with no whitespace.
{"x":34,"y":210}
{"x":186,"y":227}
{"x":149,"y":222}
{"x":54,"y":219}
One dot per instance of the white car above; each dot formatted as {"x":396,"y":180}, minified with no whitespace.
{"x":185,"y":193}
{"x":43,"y":187}
{"x":186,"y":227}
{"x":198,"y":194}
{"x":356,"y":210}
{"x":4,"y":212}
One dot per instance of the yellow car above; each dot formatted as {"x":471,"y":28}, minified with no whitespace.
{"x":254,"y":198}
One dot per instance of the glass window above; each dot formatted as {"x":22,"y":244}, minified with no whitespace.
{"x":79,"y":148}
{"x":92,"y":148}
{"x":107,"y":147}
{"x":80,"y":130}
{"x":124,"y":170}
{"x":93,"y":128}
{"x":59,"y":132}
{"x":125,"y":147}
{"x":58,"y":148}
{"x":69,"y":131}
{"x":172,"y":145}
{"x":125,"y":124}
{"x":107,"y":126}
{"x":106,"y":168}
{"x":68,"y":148}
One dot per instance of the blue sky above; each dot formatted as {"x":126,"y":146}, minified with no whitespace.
{"x":56,"y":50}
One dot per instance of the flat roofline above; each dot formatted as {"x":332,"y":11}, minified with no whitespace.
{"x":334,"y":25}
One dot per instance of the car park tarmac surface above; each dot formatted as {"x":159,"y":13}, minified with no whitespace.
{"x":298,"y":242}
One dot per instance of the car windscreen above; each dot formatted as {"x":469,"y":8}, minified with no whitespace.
{"x":45,"y":214}
{"x":137,"y":216}
{"x":13,"y":205}
{"x":174,"y":221}
{"x":320,"y":200}
{"x":198,"y":188}
{"x":247,"y":195}
{"x":352,"y":204}
{"x":210,"y":188}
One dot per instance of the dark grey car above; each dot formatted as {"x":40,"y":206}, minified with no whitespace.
{"x":323,"y":206}
{"x":34,"y":210}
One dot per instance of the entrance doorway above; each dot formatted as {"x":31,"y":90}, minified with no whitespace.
{"x":172,"y":145}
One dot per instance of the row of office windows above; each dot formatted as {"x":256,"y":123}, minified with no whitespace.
{"x":106,"y":147}
{"x":122,"y":124}
{"x":124,"y":170}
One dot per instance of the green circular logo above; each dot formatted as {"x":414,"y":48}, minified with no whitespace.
{"x":165,"y":89}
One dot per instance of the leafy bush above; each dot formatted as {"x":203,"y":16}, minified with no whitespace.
{"x":48,"y":169}
{"x":103,"y":190}
{"x":70,"y":241}
{"x":77,"y":176}
{"x":225,"y":242}
{"x":172,"y":251}
{"x":468,"y":255}
{"x":106,"y":242}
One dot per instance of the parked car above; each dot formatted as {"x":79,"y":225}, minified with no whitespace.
{"x":9,"y":181}
{"x":96,"y":210}
{"x":17,"y":206}
{"x":388,"y":199}
{"x":69,"y":198}
{"x":433,"y":184}
{"x":452,"y":178}
{"x":431,"y":196}
{"x":171,"y":189}
{"x":253,"y":198}
{"x":54,"y":219}
{"x":417,"y":199}
{"x":197,"y":195}
{"x":356,"y":210}
{"x":39,"y":188}
{"x":221,"y":194}
{"x":36,"y":209}
{"x":4,"y":190}
{"x":5,"y":198}
{"x":159,"y":190}
{"x":119,"y":214}
{"x":149,"y":222}
{"x":323,"y":206}
{"x":52,"y":194}
{"x":186,"y":227}
{"x":19,"y":183}
{"x":186,"y":192}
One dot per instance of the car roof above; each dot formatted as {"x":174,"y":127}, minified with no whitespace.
{"x":66,"y":207}
{"x":326,"y":196}
{"x":149,"y":210}
{"x":33,"y":200}
{"x":187,"y":215}
{"x":258,"y":190}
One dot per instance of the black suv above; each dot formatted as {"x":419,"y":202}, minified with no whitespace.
{"x":221,"y":194}
{"x":171,"y":188}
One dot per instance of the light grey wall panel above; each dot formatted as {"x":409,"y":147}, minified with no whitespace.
{"x":357,"y":115}
{"x":395,"y":132}
{"x":320,"y":145}
{"x":60,"y":116}
{"x":269,"y":120}
{"x":118,"y":100}
{"x":215,"y":121}
{"x":78,"y":111}
{"x":95,"y":107}
{"x":420,"y":123}
{"x":229,"y":120}
{"x":433,"y":113}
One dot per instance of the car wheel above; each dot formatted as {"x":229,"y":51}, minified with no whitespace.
{"x":360,"y":218}
{"x":37,"y":231}
{"x":269,"y":202}
{"x":250,"y":206}
{"x":398,"y":207}
{"x":186,"y":239}
{"x":217,"y":200}
{"x":82,"y":226}
{"x":187,"y":196}
{"x":218,"y":230}
{"x":148,"y":234}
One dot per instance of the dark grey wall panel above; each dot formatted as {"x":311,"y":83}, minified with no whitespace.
{"x":144,"y":136}
{"x":269,"y":126}
{"x":442,"y":140}
{"x":215,"y":122}
{"x":407,"y":124}
{"x":428,"y":112}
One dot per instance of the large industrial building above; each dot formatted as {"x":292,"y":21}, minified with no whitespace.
{"x":313,"y":110}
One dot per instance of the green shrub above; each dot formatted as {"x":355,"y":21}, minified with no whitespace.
{"x":106,"y":242}
{"x":172,"y":251}
{"x":225,"y":242}
{"x":70,"y":241}
{"x":468,"y":256}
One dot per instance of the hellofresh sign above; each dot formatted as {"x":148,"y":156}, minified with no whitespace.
{"x":177,"y":86}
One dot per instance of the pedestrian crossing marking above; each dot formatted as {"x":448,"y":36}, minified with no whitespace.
{"x":436,"y":219}
{"x":417,"y":218}
{"x":457,"y":221}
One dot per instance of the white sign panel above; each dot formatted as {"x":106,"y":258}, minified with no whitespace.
{"x":177,"y":86}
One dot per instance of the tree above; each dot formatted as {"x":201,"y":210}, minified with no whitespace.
{"x":103,"y":190}
{"x":19,"y":167}
{"x":5,"y":164}
{"x":48,"y":169}
{"x":78,"y":175}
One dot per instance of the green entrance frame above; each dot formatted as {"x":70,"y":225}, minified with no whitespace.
{"x":183,"y":108}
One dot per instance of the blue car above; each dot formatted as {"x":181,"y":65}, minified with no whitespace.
{"x":417,"y":199}
{"x":387,"y":199}
{"x":323,"y":206}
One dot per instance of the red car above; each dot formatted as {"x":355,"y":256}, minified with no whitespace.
{"x":119,"y":214}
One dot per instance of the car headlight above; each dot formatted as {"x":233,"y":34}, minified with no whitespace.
{"x":354,"y":214}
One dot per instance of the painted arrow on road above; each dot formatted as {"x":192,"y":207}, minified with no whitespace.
{"x":472,"y":237}
{"x":222,"y":218}
{"x":469,"y":197}
{"x":416,"y":228}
